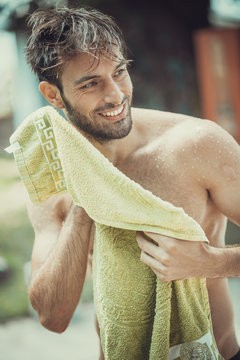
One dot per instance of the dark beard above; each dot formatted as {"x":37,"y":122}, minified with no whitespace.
{"x":97,"y":130}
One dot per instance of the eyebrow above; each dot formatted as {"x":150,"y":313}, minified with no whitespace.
{"x":90,"y":77}
{"x":85,"y":78}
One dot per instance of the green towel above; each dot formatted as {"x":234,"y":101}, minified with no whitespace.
{"x":140,"y":316}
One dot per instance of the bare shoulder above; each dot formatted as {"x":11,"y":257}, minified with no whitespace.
{"x":204,"y":138}
{"x":158,"y":122}
{"x":199,"y":144}
{"x":155,"y":116}
{"x":181,"y":128}
{"x":52,"y":211}
{"x":208,"y":152}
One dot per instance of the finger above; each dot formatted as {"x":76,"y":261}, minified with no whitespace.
{"x":140,"y":235}
{"x":154,"y":251}
{"x":158,"y":268}
{"x":159,"y":238}
{"x":147,"y":246}
{"x":153,"y":263}
{"x":162,"y":276}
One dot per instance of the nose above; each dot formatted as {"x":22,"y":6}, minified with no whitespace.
{"x":112,"y":93}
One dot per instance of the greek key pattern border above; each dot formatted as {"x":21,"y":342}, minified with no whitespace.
{"x":45,"y":133}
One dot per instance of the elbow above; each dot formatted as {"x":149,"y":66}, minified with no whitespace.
{"x":53,"y":324}
{"x":52,"y":320}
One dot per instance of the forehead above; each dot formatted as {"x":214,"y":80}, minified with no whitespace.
{"x":89,"y":64}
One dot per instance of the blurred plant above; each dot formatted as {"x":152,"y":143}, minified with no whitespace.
{"x":4,"y":269}
{"x":16,"y":238}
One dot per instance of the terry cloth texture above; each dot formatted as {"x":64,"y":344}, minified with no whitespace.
{"x":140,"y":316}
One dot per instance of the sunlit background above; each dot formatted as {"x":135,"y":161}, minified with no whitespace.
{"x":186,"y":59}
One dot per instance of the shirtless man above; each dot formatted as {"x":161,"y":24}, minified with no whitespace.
{"x":79,"y":57}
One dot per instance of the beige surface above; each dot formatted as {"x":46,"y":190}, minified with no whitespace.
{"x":26,"y":339}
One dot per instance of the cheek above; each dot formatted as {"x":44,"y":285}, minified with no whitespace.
{"x":128,"y":85}
{"x":86,"y":103}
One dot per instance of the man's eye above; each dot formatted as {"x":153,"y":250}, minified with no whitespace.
{"x":120,"y":72}
{"x":89,"y":85}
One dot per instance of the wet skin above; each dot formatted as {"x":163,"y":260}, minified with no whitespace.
{"x":189,"y":162}
{"x":97,"y":97}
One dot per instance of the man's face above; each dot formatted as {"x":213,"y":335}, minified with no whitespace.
{"x":97,"y":96}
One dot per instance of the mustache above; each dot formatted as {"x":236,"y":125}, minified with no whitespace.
{"x":109,"y":106}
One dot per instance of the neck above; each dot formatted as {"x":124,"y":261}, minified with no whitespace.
{"x":118,"y":149}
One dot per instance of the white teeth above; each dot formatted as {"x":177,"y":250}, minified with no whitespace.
{"x":113,"y":113}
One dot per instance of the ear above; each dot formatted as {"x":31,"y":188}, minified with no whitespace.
{"x":52,"y":94}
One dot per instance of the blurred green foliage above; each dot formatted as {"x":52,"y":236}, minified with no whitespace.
{"x":16,"y":238}
{"x":232,"y":234}
{"x":15,"y":246}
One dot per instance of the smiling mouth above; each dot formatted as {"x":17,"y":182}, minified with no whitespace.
{"x":114,"y":115}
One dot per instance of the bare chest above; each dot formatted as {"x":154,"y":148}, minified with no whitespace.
{"x":161,"y":173}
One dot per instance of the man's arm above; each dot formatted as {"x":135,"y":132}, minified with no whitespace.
{"x":59,"y":260}
{"x":173,"y":259}
{"x":218,"y":165}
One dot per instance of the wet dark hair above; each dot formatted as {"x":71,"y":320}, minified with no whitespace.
{"x":59,"y":34}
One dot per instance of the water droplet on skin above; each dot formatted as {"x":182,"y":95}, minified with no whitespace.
{"x":230,"y":173}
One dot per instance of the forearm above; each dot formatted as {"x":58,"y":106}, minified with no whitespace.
{"x":226,"y":261}
{"x":56,"y":286}
{"x":173,"y":259}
